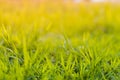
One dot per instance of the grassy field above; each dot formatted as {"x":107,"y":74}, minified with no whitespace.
{"x":58,"y":41}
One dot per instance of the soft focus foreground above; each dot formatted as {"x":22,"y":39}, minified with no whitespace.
{"x":59,"y":41}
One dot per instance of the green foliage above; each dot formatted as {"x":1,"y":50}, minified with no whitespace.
{"x":53,"y":42}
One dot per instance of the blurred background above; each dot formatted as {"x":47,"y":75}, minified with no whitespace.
{"x":59,"y":15}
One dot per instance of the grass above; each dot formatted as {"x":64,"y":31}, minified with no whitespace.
{"x":60,"y":42}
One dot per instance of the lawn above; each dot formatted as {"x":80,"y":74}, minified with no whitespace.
{"x":59,"y":41}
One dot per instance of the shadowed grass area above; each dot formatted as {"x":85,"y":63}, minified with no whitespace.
{"x":58,"y":41}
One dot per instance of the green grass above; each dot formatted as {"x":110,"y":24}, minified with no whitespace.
{"x":60,"y":42}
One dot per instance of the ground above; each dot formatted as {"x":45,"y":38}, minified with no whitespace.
{"x":57,"y":41}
